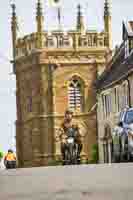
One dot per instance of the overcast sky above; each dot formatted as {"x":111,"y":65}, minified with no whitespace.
{"x":93,"y":11}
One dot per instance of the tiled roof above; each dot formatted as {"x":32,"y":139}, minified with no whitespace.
{"x":118,"y":70}
{"x":119,"y":67}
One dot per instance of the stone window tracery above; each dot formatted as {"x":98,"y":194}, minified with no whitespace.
{"x":75,"y":96}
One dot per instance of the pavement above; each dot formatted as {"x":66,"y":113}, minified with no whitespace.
{"x":82,"y":182}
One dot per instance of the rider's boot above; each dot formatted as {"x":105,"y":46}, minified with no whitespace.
{"x":63,"y":153}
{"x":63,"y":158}
{"x":79,"y":151}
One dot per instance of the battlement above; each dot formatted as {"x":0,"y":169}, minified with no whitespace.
{"x":59,"y":40}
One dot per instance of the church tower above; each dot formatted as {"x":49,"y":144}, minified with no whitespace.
{"x":55,"y":72}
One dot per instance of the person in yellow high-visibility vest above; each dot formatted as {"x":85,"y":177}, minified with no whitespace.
{"x":10,"y":160}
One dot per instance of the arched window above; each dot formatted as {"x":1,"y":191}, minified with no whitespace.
{"x":75,"y":96}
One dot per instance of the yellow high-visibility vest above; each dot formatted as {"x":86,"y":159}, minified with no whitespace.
{"x":10,"y":157}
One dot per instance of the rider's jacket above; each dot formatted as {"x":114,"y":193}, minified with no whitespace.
{"x":69,"y":131}
{"x":10,"y":157}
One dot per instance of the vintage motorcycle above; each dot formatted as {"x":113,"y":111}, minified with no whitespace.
{"x":71,"y":151}
{"x":10,"y":164}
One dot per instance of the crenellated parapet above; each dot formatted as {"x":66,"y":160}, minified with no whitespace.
{"x":59,"y":40}
{"x":76,"y":40}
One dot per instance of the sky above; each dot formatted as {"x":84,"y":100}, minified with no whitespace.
{"x":26,"y":11}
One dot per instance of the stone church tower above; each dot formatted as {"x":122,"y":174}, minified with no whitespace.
{"x":54,"y":72}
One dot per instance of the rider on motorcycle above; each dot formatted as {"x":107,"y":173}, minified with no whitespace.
{"x":10,"y":159}
{"x":68,"y":128}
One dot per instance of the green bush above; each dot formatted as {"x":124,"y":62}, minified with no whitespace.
{"x":94,"y":155}
{"x":1,"y":154}
{"x":54,"y":163}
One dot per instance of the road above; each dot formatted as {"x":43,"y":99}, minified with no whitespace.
{"x":84,"y":182}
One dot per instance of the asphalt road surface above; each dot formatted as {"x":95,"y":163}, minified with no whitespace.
{"x":84,"y":182}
